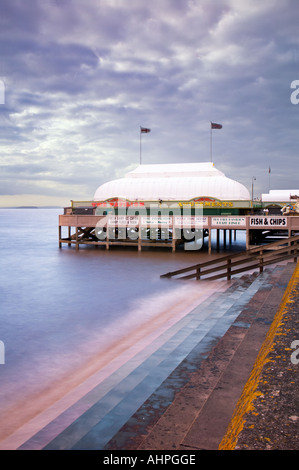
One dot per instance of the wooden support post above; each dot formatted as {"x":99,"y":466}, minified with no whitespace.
{"x":230,"y":236}
{"x":210,"y":241}
{"x":224,"y":238}
{"x":295,"y":251}
{"x":218,"y":238}
{"x":59,"y":236}
{"x":229,"y":269}
{"x":261,"y":261}
{"x":139,"y":234}
{"x":173,"y":243}
{"x":247,"y":238}
{"x":107,"y":238}
{"x":77,"y":241}
{"x":69,"y":235}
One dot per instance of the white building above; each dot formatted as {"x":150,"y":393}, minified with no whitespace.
{"x":280,"y":195}
{"x":173,"y":182}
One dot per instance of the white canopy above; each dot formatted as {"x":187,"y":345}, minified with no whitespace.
{"x":280,"y":195}
{"x":173,"y":182}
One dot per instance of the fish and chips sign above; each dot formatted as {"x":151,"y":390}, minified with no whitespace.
{"x":268,"y":222}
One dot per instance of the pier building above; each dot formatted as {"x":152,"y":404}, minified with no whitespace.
{"x":171,"y":205}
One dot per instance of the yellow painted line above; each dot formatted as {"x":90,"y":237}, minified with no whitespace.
{"x":250,"y":392}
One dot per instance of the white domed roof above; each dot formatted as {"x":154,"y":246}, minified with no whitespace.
{"x":173,"y":182}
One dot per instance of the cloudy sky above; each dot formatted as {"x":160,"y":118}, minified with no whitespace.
{"x":78,"y":79}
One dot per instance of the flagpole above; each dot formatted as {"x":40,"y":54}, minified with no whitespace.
{"x":211,"y":142}
{"x":140,"y":148}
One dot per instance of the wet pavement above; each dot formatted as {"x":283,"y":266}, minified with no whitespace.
{"x":242,"y":395}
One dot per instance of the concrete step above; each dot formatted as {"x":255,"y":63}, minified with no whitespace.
{"x":209,"y":427}
{"x":112,"y":403}
{"x":200,"y":412}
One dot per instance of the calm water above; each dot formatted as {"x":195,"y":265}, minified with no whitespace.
{"x":60,"y":308}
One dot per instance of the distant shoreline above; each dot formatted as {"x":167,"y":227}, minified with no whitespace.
{"x":31,"y":207}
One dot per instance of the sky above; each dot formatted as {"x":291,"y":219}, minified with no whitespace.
{"x":78,"y":79}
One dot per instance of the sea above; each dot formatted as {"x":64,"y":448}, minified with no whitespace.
{"x":66,"y":313}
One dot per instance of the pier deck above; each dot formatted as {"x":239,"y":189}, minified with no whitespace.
{"x":170,"y":231}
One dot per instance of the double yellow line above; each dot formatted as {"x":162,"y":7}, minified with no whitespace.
{"x":250,"y":391}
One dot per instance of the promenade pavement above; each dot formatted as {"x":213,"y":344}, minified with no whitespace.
{"x":267,"y":414}
{"x":243,"y":395}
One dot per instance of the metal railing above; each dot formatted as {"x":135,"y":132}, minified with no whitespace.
{"x":229,"y":265}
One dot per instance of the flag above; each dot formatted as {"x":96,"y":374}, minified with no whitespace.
{"x":144,"y":130}
{"x":216,"y":126}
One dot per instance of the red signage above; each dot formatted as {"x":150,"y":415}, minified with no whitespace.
{"x":117,"y":202}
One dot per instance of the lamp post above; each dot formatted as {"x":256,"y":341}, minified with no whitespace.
{"x":253,"y":179}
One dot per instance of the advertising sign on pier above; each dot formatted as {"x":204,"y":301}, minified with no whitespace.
{"x":269,"y":222}
{"x":229,"y":221}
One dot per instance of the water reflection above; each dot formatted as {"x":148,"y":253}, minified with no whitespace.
{"x":62,"y":311}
